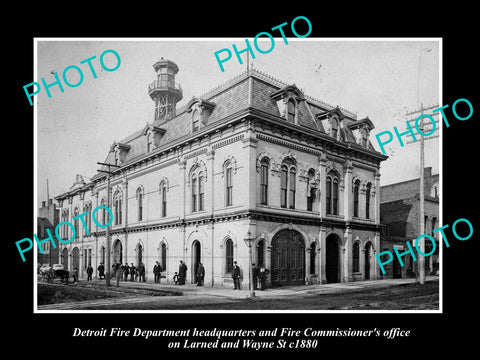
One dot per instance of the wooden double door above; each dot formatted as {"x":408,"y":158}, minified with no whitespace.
{"x":288,"y":258}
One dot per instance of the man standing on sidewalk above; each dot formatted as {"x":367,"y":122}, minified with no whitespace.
{"x":182,"y":272}
{"x":157,"y":269}
{"x":236,"y":276}
{"x":200,"y":274}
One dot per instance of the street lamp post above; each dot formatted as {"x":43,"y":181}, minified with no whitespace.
{"x":249,"y":242}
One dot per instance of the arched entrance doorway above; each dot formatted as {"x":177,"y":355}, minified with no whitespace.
{"x":196,"y":259}
{"x":288,"y":258}
{"x":75,"y":258}
{"x":64,"y":258}
{"x":333,"y":259}
{"x":117,"y":252}
{"x":368,"y":261}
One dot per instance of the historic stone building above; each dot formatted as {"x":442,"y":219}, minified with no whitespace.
{"x":254,"y":157}
{"x":399,"y":209}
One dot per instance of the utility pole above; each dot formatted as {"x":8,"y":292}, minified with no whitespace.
{"x":421,"y":230}
{"x":107,"y":232}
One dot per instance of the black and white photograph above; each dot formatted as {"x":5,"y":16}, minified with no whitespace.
{"x":226,"y":186}
{"x":281,"y":188}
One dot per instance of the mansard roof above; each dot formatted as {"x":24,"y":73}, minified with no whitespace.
{"x":228,"y":99}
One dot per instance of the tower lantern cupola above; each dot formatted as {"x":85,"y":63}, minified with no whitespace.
{"x":164,"y":91}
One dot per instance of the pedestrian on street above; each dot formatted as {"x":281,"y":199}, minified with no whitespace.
{"x":255,"y":276}
{"x":157,"y":269}
{"x":141,"y":273}
{"x":200,"y":274}
{"x":236,"y":276}
{"x":263,"y":277}
{"x":133,"y":272}
{"x":126,"y":271}
{"x":89,"y":272}
{"x":182,"y":272}
{"x":176,"y":278}
{"x":118,"y":273}
{"x":101,"y":271}
{"x":75,"y":275}
{"x":113,"y":273}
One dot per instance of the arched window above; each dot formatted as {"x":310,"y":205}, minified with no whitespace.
{"x":334,"y":128}
{"x":434,"y":190}
{"x":140,"y":204}
{"x":264,"y":181}
{"x":198,"y":191}
{"x":201,"y":191}
{"x":356,"y":189}
{"x":228,"y":185}
{"x":228,"y":256}
{"x":102,"y":203}
{"x":163,"y":196}
{"x":313,"y":256}
{"x":283,"y":186}
{"x":367,"y":200}
{"x":310,"y":189}
{"x":292,"y":187}
{"x":287,"y":184}
{"x":291,"y":110}
{"x":75,"y":221}
{"x":117,"y":204}
{"x":335,"y":196}
{"x":195,"y":120}
{"x":149,"y":142}
{"x":356,"y":257}
{"x":332,"y":194}
{"x":364,"y":140}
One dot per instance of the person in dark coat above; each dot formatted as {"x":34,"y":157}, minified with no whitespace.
{"x":133,"y":271}
{"x":113,"y":273}
{"x":75,"y":275}
{"x":236,"y":276}
{"x":255,"y":276}
{"x":101,"y":271}
{"x":141,"y":273}
{"x":126,"y":271}
{"x":200,"y":274}
{"x":157,"y":270}
{"x":263,"y":277}
{"x":182,"y":272}
{"x":89,"y":272}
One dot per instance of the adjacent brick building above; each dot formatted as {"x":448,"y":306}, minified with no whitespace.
{"x":48,"y":216}
{"x":399,"y":212}
{"x":254,"y":157}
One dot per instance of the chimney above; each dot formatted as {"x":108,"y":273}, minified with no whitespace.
{"x":43,"y":204}
{"x":50,"y":201}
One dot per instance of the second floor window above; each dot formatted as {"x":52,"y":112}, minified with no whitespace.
{"x":163,"y":195}
{"x":140,"y":204}
{"x":332,"y":195}
{"x":367,"y":200}
{"x":356,"y":189}
{"x":198,"y":192}
{"x":228,"y":186}
{"x":264,"y":182}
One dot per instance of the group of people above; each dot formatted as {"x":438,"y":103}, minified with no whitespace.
{"x":138,"y":273}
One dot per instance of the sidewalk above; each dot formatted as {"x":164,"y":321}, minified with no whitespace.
{"x":193,"y":290}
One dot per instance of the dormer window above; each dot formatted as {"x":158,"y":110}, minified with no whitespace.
{"x":201,"y":110}
{"x":291,"y":109}
{"x":287,"y":100}
{"x":334,"y":128}
{"x":196,"y":120}
{"x":149,"y":143}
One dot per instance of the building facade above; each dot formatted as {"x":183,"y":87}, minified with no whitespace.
{"x":254,"y":157}
{"x":399,"y":209}
{"x":48,"y":216}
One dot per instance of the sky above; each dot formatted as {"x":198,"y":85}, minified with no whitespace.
{"x":383,"y":79}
